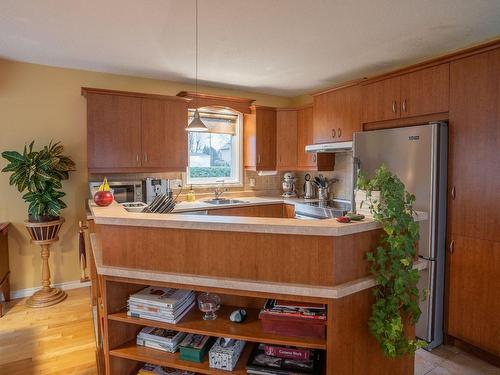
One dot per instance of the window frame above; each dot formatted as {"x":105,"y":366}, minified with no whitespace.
{"x":236,"y":156}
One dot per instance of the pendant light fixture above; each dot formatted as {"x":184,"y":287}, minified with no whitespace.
{"x":196,"y":125}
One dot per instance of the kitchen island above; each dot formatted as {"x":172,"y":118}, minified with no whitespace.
{"x":245,"y":260}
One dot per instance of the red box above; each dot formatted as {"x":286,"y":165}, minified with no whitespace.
{"x":291,"y":326}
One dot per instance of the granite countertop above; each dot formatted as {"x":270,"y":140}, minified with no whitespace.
{"x":115,"y":214}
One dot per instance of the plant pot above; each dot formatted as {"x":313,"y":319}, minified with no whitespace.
{"x":364,"y":201}
{"x":42,"y":232}
{"x":41,"y":219}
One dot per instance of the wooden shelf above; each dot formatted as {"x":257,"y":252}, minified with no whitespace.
{"x":142,"y":354}
{"x":249,"y":330}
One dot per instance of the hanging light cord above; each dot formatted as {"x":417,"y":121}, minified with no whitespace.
{"x":196,"y":56}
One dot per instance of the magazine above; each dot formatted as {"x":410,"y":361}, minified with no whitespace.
{"x":162,"y":297}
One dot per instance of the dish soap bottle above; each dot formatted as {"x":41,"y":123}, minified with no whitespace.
{"x":190,"y":197}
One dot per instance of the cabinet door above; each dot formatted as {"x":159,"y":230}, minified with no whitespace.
{"x":425,"y":91}
{"x":164,"y":136}
{"x":381,"y":100}
{"x":113,"y":132}
{"x":473,"y":303}
{"x":337,"y":114}
{"x":474,"y":156}
{"x":304,"y":138}
{"x":266,"y":139}
{"x":286,"y":142}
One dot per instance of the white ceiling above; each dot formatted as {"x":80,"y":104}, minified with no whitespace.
{"x":284,"y":47}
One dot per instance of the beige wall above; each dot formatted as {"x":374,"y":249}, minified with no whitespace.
{"x":42,"y":103}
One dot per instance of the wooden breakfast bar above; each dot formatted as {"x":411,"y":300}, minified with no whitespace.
{"x":245,"y":260}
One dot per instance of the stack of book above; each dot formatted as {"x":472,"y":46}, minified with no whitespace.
{"x":292,"y":318}
{"x":166,"y":340}
{"x":150,"y":369}
{"x":275,"y":360}
{"x":161,"y":304}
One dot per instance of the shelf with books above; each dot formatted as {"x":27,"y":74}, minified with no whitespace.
{"x":250,"y":330}
{"x":130,"y":350}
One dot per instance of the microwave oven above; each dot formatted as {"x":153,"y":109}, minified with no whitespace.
{"x":123,"y":191}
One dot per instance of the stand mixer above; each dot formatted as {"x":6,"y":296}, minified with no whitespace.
{"x":288,"y":185}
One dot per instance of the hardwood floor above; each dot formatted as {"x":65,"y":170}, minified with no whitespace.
{"x":60,"y":340}
{"x":53,"y":340}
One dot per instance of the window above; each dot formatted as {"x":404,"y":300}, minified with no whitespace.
{"x":215,"y":155}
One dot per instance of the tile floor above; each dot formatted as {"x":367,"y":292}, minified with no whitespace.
{"x":449,"y":360}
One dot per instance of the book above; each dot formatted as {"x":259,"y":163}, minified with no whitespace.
{"x":162,"y":297}
{"x":167,"y":336}
{"x":194,"y":347}
{"x":150,"y":369}
{"x":261,"y":363}
{"x":160,"y":318}
{"x":170,"y":348}
{"x":287,"y":352}
{"x":270,"y":307}
{"x":279,"y":303}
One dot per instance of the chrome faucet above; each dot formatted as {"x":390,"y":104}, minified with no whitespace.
{"x":219,"y":190}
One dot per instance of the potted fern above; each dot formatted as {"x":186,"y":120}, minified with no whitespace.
{"x":38,"y":174}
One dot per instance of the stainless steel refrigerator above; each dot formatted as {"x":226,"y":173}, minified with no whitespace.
{"x":418,"y":156}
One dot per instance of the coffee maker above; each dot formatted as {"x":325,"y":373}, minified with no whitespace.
{"x":154,"y":187}
{"x":288,"y":185}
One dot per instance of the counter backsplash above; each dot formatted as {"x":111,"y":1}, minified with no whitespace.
{"x":253,"y":184}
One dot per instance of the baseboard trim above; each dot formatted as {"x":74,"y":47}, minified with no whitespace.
{"x":22,"y":293}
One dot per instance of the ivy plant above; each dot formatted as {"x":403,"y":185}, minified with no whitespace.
{"x":391,"y":263}
{"x":40,"y":173}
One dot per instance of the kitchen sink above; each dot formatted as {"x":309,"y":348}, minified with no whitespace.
{"x":225,"y":201}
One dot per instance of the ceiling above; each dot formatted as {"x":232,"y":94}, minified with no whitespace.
{"x":282,"y":47}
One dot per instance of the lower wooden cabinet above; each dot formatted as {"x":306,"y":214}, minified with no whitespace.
{"x":473,"y":292}
{"x":278,"y":210}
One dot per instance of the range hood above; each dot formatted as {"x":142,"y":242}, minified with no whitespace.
{"x":330,"y":147}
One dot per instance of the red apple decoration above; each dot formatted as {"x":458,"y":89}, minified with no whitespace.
{"x":103,"y":198}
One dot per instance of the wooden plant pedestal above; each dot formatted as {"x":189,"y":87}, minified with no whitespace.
{"x":45,"y":234}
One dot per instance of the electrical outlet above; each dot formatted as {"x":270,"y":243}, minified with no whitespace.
{"x":251,"y":180}
{"x":175,"y":184}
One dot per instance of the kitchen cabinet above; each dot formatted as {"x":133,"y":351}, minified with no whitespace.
{"x":267,"y":210}
{"x":418,"y":93}
{"x":259,"y":133}
{"x":132,"y":132}
{"x":337,"y":115}
{"x":474,"y":144}
{"x":473,"y":285}
{"x":286,"y":140}
{"x":308,"y":161}
{"x":113,"y":131}
{"x":473,"y":259}
{"x":164,"y":137}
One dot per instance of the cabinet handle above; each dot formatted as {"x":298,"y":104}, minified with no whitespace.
{"x":258,"y":159}
{"x":404,"y":105}
{"x":339,"y":132}
{"x":452,"y":246}
{"x":394,"y":109}
{"x":145,"y":157}
{"x":453,"y":193}
{"x":334,"y":133}
{"x":314,"y":158}
{"x":137,"y":158}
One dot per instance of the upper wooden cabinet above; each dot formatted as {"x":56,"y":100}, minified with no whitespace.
{"x":474,"y":144}
{"x":286,"y":142}
{"x":308,"y":161}
{"x":113,"y":132}
{"x":337,"y":115}
{"x":418,"y":93}
{"x":133,"y":132}
{"x":164,"y":137}
{"x":259,"y":132}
